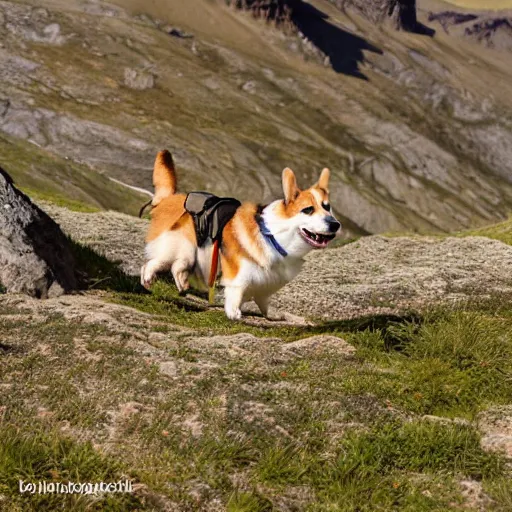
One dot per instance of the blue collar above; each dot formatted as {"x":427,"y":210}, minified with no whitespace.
{"x":270,"y":237}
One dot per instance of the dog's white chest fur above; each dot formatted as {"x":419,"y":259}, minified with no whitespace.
{"x":254,"y":282}
{"x":257,"y":280}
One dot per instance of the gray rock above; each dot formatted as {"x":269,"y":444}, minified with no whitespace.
{"x":378,"y":275}
{"x":496,"y":427}
{"x":249,"y":87}
{"x":139,"y":80}
{"x":35,"y":257}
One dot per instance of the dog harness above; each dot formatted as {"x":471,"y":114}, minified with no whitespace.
{"x":271,"y":239}
{"x":210,"y":214}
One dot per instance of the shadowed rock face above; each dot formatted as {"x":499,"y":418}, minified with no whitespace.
{"x":34,"y":254}
{"x":400,"y":13}
{"x":279,"y":11}
{"x":492,"y":32}
{"x":339,"y":48}
{"x":483,"y":27}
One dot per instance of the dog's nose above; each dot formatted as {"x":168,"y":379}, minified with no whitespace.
{"x":333,"y":224}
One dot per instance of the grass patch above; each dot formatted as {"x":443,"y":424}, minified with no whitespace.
{"x":35,"y":455}
{"x":312,"y":432}
{"x":421,"y":447}
{"x":60,"y":200}
{"x":501,"y":490}
{"x":390,"y":467}
{"x":501,"y":232}
{"x":248,"y":502}
{"x":455,"y":363}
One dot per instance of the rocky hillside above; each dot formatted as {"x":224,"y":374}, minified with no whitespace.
{"x":414,"y":135}
{"x":491,"y":29}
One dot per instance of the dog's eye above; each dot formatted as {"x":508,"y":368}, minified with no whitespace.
{"x":309,"y":210}
{"x":326,"y":206}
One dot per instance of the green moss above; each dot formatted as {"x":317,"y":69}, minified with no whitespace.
{"x":49,"y":177}
{"x":59,"y":200}
{"x":501,"y":231}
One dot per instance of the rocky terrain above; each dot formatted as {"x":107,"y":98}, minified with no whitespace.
{"x":414,"y":136}
{"x":374,"y":275}
{"x":385,"y":384}
{"x":34,"y":256}
{"x":488,"y":28}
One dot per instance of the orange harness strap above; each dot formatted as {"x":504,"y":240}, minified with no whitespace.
{"x":213,"y":272}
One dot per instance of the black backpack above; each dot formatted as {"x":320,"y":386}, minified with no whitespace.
{"x":210,"y":214}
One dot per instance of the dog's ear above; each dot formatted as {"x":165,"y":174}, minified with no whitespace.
{"x":323,"y":182}
{"x":290,"y":189}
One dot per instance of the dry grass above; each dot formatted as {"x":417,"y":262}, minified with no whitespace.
{"x":501,"y":231}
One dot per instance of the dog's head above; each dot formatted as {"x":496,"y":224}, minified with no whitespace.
{"x":305,"y":218}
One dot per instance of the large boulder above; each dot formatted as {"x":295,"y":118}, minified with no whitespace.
{"x":35,"y":256}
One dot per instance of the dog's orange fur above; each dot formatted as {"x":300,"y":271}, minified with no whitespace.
{"x":241,"y":238}
{"x":232,"y":251}
{"x":170,"y":214}
{"x":296,"y":199}
{"x":164,"y":176}
{"x":303,"y":200}
{"x":168,"y":210}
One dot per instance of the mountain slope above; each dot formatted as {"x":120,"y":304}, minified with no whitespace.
{"x":415,"y":137}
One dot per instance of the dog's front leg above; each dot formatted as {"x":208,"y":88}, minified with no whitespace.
{"x":233,"y":297}
{"x":262,"y":302}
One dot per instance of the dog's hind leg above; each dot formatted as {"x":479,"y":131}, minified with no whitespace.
{"x":262,"y":301}
{"x":180,"y":271}
{"x":233,"y":298}
{"x":149,"y":271}
{"x":170,"y":251}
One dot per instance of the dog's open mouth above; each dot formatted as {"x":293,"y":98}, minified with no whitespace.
{"x":317,"y":240}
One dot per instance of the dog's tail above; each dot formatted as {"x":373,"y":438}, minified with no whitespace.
{"x":164,"y":177}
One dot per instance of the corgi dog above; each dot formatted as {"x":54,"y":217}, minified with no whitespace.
{"x":262,"y":247}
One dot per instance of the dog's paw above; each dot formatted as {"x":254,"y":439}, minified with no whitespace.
{"x":183,"y":287}
{"x":234,"y":313}
{"x":146,"y":277}
{"x":275,"y":317}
